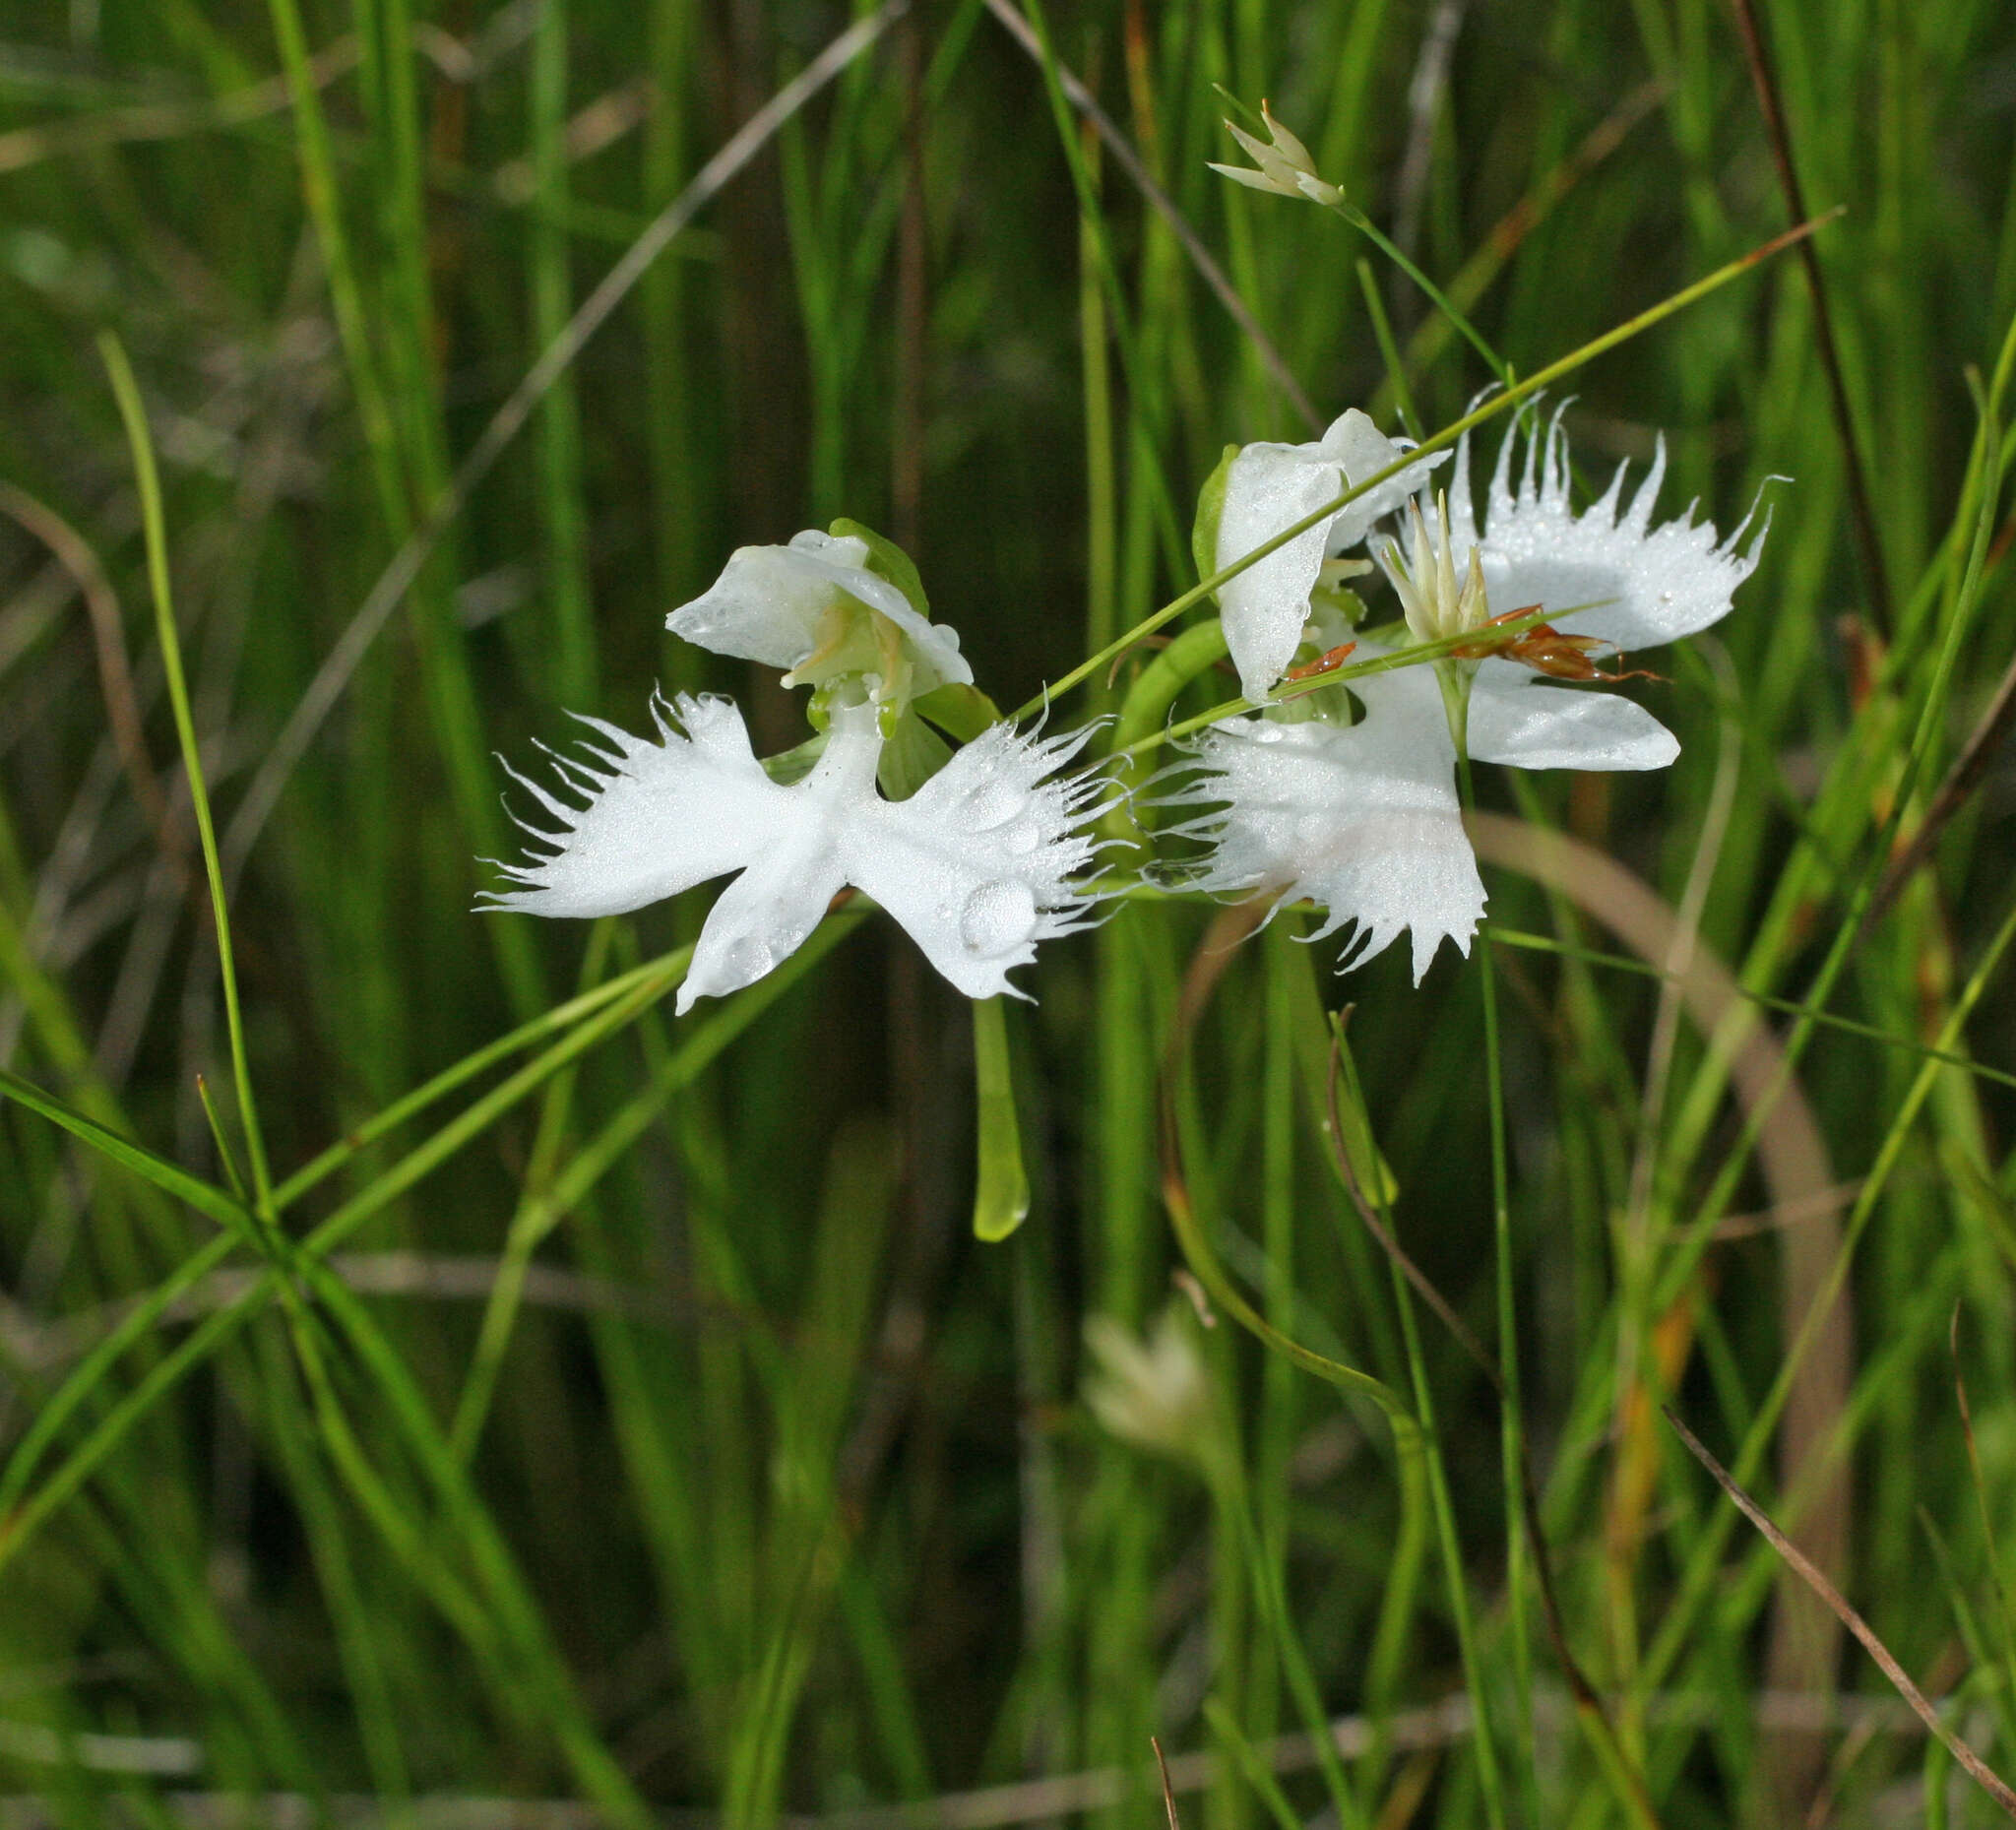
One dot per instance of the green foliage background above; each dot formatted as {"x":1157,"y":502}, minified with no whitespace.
{"x":643,"y":1425}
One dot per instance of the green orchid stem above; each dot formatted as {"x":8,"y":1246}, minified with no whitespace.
{"x":1363,"y":223}
{"x":1426,"y":1440}
{"x":1314,"y":684}
{"x":1456,"y":682}
{"x":1157,"y":685}
{"x":1501,"y":402}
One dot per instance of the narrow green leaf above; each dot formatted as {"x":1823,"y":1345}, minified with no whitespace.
{"x":127,"y":392}
{"x":203,"y":1196}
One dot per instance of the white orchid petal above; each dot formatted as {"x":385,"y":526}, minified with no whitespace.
{"x":764,"y":916}
{"x":1243,"y":174}
{"x":1271,"y":487}
{"x":1362,"y":819}
{"x":793,"y":868}
{"x":1364,"y":451}
{"x":841,"y":558}
{"x":1645,"y":585}
{"x":765,"y":607}
{"x":977,"y":867}
{"x":662,"y":817}
{"x":1513,"y":720}
{"x":768,"y":603}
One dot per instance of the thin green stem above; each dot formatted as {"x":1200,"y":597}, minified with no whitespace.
{"x":1412,"y":656}
{"x":1389,"y":350}
{"x":1511,"y":1416}
{"x":1365,"y":225}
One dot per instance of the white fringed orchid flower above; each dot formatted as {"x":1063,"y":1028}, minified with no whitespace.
{"x":977,"y":867}
{"x":1271,"y":487}
{"x":1364,"y":818}
{"x":815,"y":609}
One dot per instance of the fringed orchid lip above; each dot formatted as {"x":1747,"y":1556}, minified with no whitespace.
{"x":1605,"y":573}
{"x":979,"y":866}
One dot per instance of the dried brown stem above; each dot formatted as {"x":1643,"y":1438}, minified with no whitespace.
{"x":1169,"y":1796}
{"x":1869,"y":549}
{"x":1978,"y":1769}
{"x":73,"y":553}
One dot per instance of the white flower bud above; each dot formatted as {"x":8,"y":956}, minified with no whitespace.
{"x":1281,"y":163}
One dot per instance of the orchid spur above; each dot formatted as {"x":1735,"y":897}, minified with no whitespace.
{"x":1363,"y":817}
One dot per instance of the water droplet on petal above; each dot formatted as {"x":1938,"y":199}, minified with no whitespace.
{"x":993,"y":803}
{"x":998,"y":918}
{"x":747,"y":958}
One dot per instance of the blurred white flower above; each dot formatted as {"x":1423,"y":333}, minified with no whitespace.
{"x":977,"y":867}
{"x":1364,"y":818}
{"x":1271,"y":487}
{"x":1283,"y":166}
{"x":814,"y":609}
{"x":1154,"y":1394}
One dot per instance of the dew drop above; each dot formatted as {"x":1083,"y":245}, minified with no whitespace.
{"x":998,"y":917}
{"x":993,"y":803}
{"x":747,"y":958}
